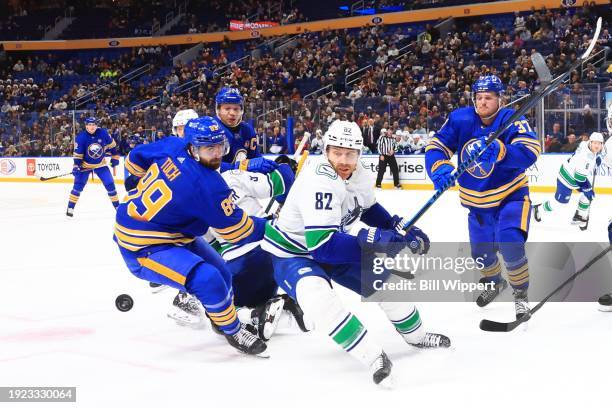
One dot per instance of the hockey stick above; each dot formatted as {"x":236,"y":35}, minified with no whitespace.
{"x":493,"y":326}
{"x":586,"y":224}
{"x":54,"y":177}
{"x":297,"y":154}
{"x":532,"y":101}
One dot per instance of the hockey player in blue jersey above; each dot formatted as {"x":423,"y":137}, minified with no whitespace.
{"x":159,"y":226}
{"x":244,"y":151}
{"x":494,"y":189}
{"x":91,"y":146}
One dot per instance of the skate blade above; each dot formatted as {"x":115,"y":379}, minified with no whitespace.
{"x":603,"y":308}
{"x":264,"y":354}
{"x":201,"y":325}
{"x":387,"y":384}
{"x":159,"y":289}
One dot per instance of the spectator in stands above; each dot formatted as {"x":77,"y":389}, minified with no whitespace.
{"x":588,"y":120}
{"x":276,"y":142}
{"x":557,"y":135}
{"x":371,"y":133}
{"x":316,"y":146}
{"x":571,"y":145}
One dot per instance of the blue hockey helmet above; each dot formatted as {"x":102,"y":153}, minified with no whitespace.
{"x":488,"y":83}
{"x":204,"y":131}
{"x":228,"y":96}
{"x":91,"y":120}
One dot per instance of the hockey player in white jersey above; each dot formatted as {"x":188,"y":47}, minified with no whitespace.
{"x":575,"y":174}
{"x":312,"y":248}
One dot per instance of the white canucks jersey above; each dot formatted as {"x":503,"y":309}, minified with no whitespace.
{"x":319,"y":204}
{"x":579,"y":167}
{"x":607,"y":153}
{"x":418,"y":144}
{"x":250,"y":191}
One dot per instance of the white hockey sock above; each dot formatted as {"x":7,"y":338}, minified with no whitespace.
{"x":583,"y":205}
{"x":324,"y":308}
{"x":406,"y":319}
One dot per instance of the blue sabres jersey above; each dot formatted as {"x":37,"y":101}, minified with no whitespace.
{"x":139,"y":159}
{"x":485,"y":185}
{"x":177,"y":200}
{"x":242,"y":141}
{"x":90,"y":150}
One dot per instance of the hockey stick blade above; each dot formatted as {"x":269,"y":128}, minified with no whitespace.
{"x":493,"y":326}
{"x":54,"y":177}
{"x":541,"y":68}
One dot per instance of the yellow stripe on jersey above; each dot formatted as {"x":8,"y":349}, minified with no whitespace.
{"x":502,"y":150}
{"x":77,"y":155}
{"x":135,"y":240}
{"x":86,"y":165}
{"x":162,"y":270}
{"x":491,"y":198}
{"x":531,"y":144}
{"x":439,"y":163}
{"x":133,"y":168}
{"x":147,"y":234}
{"x":437,"y":144}
{"x":525,"y":213}
{"x":238,"y":231}
{"x":110,"y":145}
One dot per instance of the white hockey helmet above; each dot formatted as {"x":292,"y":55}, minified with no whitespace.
{"x":596,"y":137}
{"x":182,"y":117}
{"x":609,"y":119}
{"x":342,"y":133}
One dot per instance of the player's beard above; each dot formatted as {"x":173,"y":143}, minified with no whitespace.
{"x":212,"y":164}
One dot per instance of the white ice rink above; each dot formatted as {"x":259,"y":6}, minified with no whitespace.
{"x":59,"y":326}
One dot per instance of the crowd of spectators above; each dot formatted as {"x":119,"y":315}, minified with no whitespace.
{"x":405,"y":93}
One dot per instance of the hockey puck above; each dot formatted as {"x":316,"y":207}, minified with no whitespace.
{"x":124,"y":302}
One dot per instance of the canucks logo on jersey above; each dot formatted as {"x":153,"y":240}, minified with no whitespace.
{"x":353,"y":215}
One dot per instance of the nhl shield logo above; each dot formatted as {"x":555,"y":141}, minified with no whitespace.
{"x":477,"y":169}
{"x":95,"y":151}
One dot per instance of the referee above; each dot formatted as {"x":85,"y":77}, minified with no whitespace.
{"x":386,"y":147}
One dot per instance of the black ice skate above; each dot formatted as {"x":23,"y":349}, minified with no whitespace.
{"x":246,"y":342}
{"x":433,"y":340}
{"x":265,"y":318}
{"x":70,"y":212}
{"x":580,"y":220}
{"x":521,"y":304}
{"x":381,"y":370}
{"x":295,"y":311}
{"x":186,"y":311}
{"x":488,"y":295}
{"x":536,"y":212}
{"x":605,"y":303}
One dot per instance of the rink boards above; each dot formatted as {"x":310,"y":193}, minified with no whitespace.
{"x":542,"y":175}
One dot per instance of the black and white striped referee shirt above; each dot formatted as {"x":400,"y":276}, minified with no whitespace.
{"x":386,"y":145}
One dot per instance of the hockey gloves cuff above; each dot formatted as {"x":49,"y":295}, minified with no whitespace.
{"x":257,"y":165}
{"x":441,"y":174}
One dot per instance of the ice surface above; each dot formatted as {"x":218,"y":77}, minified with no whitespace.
{"x":59,"y":326}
